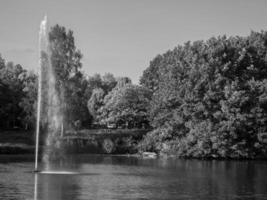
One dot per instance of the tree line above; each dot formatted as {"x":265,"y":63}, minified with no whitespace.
{"x":201,"y":99}
{"x":89,"y":101}
{"x":210,"y":98}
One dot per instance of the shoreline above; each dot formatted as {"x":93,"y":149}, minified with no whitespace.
{"x":24,"y":150}
{"x":22,"y":142}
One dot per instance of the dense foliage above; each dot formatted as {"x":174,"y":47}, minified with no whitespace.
{"x":15,"y":108}
{"x":117,"y":102}
{"x":210,"y":98}
{"x":70,"y":81}
{"x":126,"y":106}
{"x":81,"y":97}
{"x":203,"y":99}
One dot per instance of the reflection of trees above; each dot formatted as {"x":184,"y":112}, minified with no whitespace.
{"x":56,"y":187}
{"x":120,"y":177}
{"x":63,"y":163}
{"x":10,"y":192}
{"x":191,"y":179}
{"x":59,"y":186}
{"x":210,"y":179}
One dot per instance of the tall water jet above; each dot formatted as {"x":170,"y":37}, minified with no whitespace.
{"x":42,"y":34}
{"x":49,"y":114}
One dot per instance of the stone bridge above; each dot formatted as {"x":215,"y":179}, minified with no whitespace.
{"x":103,"y":140}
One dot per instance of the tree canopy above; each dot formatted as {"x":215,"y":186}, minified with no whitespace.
{"x":202,"y":99}
{"x":70,"y":81}
{"x":210,"y":98}
{"x":11,"y":90}
{"x":126,"y":105}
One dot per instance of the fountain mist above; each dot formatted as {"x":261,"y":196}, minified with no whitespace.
{"x":49,"y":115}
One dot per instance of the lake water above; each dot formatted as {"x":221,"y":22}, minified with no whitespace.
{"x":121,"y":177}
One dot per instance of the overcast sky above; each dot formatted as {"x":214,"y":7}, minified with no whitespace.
{"x":122,"y":36}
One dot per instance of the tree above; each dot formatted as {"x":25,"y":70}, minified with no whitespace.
{"x":29,"y":101}
{"x":66,"y":62}
{"x":122,"y":81}
{"x":2,"y":62}
{"x":11,"y":88}
{"x":97,"y":88}
{"x":126,"y":105}
{"x":108,"y":82}
{"x":96,"y":101}
{"x":210,"y":99}
{"x":150,"y":77}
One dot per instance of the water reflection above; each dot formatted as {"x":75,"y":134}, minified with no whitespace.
{"x":118,"y":177}
{"x":53,"y":183}
{"x":56,"y":187}
{"x":35,"y":186}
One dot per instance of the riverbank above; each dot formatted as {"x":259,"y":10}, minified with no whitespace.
{"x":17,"y":136}
{"x":97,"y":141}
{"x":23,"y":142}
{"x":16,"y":142}
{"x":16,"y":148}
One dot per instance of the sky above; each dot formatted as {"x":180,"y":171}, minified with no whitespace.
{"x":123,"y":36}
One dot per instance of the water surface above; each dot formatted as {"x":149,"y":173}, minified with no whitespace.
{"x":121,"y":177}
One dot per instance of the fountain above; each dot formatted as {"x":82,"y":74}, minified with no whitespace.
{"x":49,"y":111}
